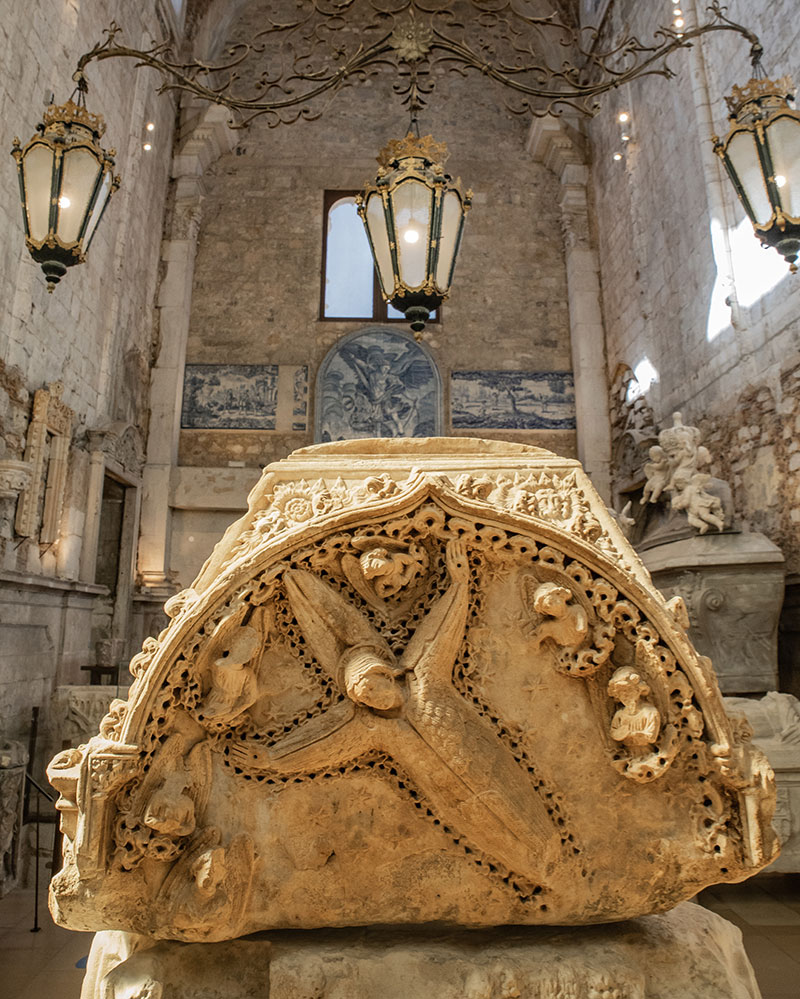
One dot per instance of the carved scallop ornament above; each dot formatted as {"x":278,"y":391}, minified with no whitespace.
{"x":418,"y":681}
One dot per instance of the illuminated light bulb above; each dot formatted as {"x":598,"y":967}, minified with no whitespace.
{"x":780,"y":180}
{"x":64,"y":202}
{"x":150,"y":126}
{"x":411,"y":236}
{"x":147,"y":147}
{"x":617,"y":156}
{"x":677,"y":12}
{"x":625,"y":137}
{"x":679,"y":22}
{"x":623,"y":116}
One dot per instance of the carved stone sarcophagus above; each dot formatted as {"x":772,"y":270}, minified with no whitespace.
{"x":420,"y":680}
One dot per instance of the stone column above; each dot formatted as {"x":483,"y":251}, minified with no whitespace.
{"x":206,"y":143}
{"x":94,"y":502}
{"x":560,"y":147}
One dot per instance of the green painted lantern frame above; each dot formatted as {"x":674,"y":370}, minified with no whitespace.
{"x":66,"y":180}
{"x":414,"y":215}
{"x":761,"y":154}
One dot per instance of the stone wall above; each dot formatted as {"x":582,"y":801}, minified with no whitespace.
{"x":664,"y":213}
{"x":94,"y":335}
{"x":256,"y":290}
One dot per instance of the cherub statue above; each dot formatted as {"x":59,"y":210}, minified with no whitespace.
{"x":410,"y":710}
{"x":657,"y":471}
{"x":565,"y":624}
{"x":689,"y":494}
{"x":638,"y":722}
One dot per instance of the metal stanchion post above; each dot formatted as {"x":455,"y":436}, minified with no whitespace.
{"x":35,"y":928}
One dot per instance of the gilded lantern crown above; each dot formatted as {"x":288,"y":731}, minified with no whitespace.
{"x":72,"y":114}
{"x":759,"y":95}
{"x":424,"y":148}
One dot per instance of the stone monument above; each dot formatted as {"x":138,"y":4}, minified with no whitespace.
{"x":775,"y":720}
{"x":731,"y":580}
{"x":420,"y":682}
{"x":13,"y":763}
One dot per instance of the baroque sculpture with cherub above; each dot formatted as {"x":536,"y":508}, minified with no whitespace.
{"x":675,"y":471}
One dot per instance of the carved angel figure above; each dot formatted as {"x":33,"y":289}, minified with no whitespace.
{"x":565,"y":624}
{"x":657,"y":471}
{"x":638,"y":722}
{"x":702,"y":509}
{"x":234,"y":686}
{"x":410,"y":710}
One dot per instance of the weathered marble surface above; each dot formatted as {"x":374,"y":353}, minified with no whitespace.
{"x":418,"y":681}
{"x":688,"y":953}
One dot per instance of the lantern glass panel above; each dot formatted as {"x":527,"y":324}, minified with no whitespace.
{"x":102,"y":197}
{"x":376,"y":221}
{"x":451,"y":224}
{"x":37,"y":168}
{"x":744,"y":159}
{"x":79,"y":175}
{"x":412,"y":219}
{"x":783,"y":138}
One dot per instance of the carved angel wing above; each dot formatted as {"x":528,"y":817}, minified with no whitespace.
{"x":330,"y":624}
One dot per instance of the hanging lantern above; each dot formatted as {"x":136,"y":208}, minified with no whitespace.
{"x":65,"y":181}
{"x":762,"y":156}
{"x":414,"y":217}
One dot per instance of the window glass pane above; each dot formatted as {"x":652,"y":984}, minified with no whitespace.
{"x":348,"y":264}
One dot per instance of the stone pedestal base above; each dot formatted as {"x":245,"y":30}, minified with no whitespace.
{"x":733,"y":588}
{"x":775,"y":720}
{"x":688,"y":953}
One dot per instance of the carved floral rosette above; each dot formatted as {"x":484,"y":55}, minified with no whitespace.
{"x":443,"y":691}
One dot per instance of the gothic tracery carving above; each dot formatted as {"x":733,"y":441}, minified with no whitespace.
{"x":372,"y":634}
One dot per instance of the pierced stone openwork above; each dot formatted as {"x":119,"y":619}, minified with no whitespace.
{"x":433,"y":676}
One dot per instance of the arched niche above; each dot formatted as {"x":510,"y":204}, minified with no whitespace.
{"x":378,"y":382}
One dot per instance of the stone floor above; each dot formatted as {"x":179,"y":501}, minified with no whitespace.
{"x":48,"y":964}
